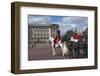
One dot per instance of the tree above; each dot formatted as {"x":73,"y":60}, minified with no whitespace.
{"x":85,"y":32}
{"x":67,"y":36}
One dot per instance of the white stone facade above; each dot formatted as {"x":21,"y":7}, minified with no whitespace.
{"x":41,"y":34}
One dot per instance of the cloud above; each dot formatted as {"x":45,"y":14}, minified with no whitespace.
{"x":65,"y":22}
{"x":72,"y":22}
{"x":32,"y":19}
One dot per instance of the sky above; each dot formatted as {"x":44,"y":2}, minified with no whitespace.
{"x":65,"y":22}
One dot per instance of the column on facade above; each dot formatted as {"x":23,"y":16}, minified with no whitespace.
{"x":49,"y":32}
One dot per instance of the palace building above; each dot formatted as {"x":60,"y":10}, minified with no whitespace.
{"x":41,"y":33}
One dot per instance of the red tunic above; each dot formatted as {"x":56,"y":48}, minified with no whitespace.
{"x":57,"y":39}
{"x":76,"y":36}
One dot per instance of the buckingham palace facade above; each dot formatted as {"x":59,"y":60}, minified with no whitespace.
{"x":41,"y":34}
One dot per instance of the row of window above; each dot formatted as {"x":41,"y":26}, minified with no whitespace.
{"x":40,"y":35}
{"x":40,"y":40}
{"x":40,"y":30}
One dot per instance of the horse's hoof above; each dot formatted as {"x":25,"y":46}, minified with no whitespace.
{"x":63,"y":55}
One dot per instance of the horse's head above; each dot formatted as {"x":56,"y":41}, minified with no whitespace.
{"x":51,"y":39}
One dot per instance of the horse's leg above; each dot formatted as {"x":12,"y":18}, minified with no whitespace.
{"x":62,"y":48}
{"x":73,"y":50}
{"x":63,"y":54}
{"x":81,"y":51}
{"x":54,"y":52}
{"x":73,"y":53}
{"x":52,"y":44}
